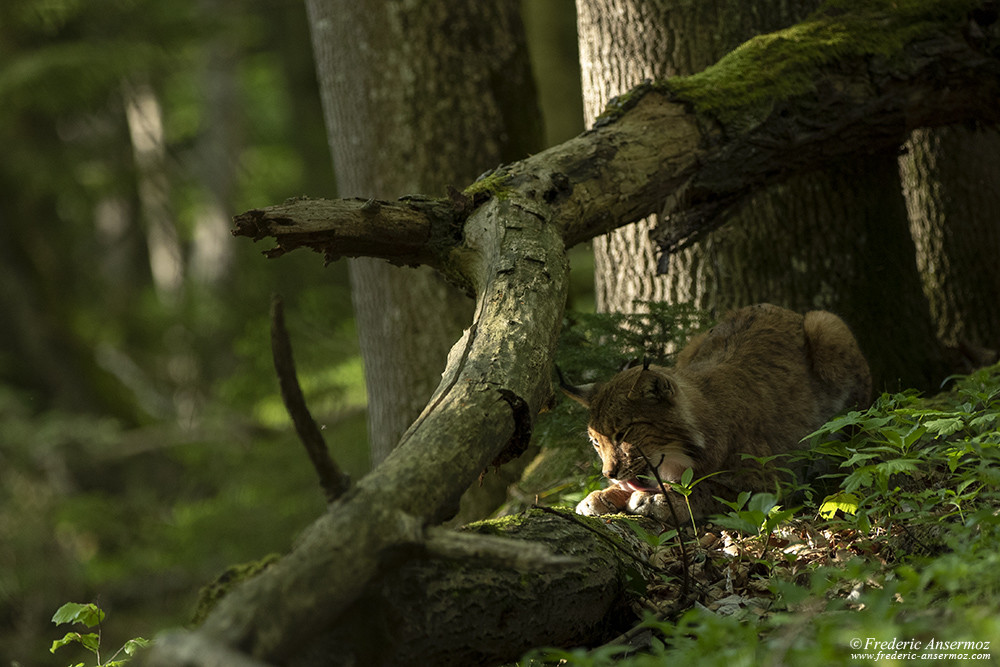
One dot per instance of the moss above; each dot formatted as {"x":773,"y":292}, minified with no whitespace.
{"x":215,"y":591}
{"x":493,"y":184}
{"x":499,"y":526}
{"x":745,"y":85}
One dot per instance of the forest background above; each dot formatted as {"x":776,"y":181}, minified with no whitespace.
{"x":143,"y":445}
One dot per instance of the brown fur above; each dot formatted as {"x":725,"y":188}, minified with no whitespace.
{"x":756,"y":383}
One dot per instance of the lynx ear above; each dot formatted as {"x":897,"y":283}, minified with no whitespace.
{"x":580,"y":393}
{"x":652,"y":386}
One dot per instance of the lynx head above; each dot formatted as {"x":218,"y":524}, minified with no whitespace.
{"x":640,"y":422}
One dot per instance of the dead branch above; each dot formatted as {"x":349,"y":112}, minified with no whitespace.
{"x":333,"y":481}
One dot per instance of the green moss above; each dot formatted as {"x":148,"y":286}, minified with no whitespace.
{"x":743,"y":87}
{"x":215,"y":591}
{"x":498,"y":526}
{"x":493,"y":184}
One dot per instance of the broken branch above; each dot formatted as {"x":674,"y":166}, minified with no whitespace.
{"x":333,"y":481}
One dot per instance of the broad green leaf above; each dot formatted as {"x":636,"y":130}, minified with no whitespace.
{"x":862,"y":477}
{"x":843,"y":501}
{"x":90,"y":641}
{"x":864,"y":524}
{"x":642,"y":533}
{"x":740,"y":503}
{"x":762,"y":503}
{"x":945,"y":426}
{"x":133,"y":645}
{"x":666,"y":536}
{"x":903,"y":440}
{"x":985,"y":421}
{"x":777,"y":516}
{"x":738,"y":522}
{"x":894,"y":466}
{"x":837,"y":423}
{"x":858,"y":458}
{"x":74,"y":612}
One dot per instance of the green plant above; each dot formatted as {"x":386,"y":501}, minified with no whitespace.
{"x":756,"y":514}
{"x":909,"y":458}
{"x":685,"y":487}
{"x":91,"y":616}
{"x":908,"y":466}
{"x":652,"y":538}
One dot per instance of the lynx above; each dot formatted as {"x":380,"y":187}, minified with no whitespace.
{"x":756,"y":384}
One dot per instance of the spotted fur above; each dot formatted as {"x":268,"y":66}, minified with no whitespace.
{"x":755,"y":384}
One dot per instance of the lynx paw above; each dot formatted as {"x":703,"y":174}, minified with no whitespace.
{"x":657,"y":506}
{"x":605,"y":501}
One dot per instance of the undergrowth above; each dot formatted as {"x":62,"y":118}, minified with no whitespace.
{"x":891,"y":551}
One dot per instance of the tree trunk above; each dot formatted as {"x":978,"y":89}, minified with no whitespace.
{"x":145,"y":125}
{"x":417,"y":97}
{"x":952,"y":185}
{"x":835,"y":240}
{"x":211,"y":255}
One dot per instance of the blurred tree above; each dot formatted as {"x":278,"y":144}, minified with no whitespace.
{"x":418,"y":97}
{"x":135,"y":130}
{"x":951,"y":179}
{"x":836,"y":240}
{"x":125,"y":407}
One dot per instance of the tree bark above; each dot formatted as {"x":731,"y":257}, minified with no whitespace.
{"x":409,"y":616}
{"x":836,"y":240}
{"x":391,"y":72}
{"x":512,"y":252}
{"x":952,"y":185}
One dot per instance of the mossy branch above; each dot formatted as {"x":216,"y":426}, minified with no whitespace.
{"x":782,"y":103}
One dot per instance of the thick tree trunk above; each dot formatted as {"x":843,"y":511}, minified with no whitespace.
{"x":418,"y":97}
{"x":835,"y":240}
{"x":952,"y":185}
{"x":623,"y":42}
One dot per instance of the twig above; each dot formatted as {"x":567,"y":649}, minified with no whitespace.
{"x":499,"y":552}
{"x":629,"y":636}
{"x":685,"y":586}
{"x":333,"y":481}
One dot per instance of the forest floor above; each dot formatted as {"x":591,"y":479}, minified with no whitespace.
{"x":897,"y":559}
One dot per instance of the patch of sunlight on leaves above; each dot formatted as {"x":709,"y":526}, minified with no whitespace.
{"x":842,"y":501}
